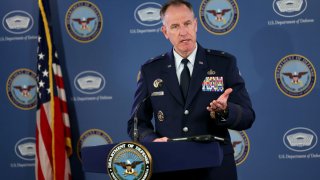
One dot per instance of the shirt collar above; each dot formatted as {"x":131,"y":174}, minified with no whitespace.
{"x":191,"y":57}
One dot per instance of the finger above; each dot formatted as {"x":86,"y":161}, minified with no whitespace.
{"x":209,"y":108}
{"x":226,"y":93}
{"x":219,"y":106}
{"x":213,"y":105}
{"x":163,"y":139}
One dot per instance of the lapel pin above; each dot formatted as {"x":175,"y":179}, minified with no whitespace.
{"x":211,"y":72}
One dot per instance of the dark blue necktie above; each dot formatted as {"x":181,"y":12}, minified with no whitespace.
{"x":185,"y":78}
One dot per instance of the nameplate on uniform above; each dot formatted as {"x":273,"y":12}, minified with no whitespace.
{"x":157,"y":93}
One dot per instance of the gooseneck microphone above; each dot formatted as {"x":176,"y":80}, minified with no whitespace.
{"x":201,"y":138}
{"x":135,"y":120}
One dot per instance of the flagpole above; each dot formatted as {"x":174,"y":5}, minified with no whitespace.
{"x":49,"y":44}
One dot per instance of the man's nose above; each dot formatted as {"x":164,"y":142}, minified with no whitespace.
{"x":183,"y":30}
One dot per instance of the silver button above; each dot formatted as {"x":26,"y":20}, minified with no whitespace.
{"x":186,"y":112}
{"x":185,"y":129}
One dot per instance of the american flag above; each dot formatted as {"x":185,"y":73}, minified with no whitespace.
{"x":53,"y":135}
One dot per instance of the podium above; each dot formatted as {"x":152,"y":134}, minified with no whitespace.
{"x":166,"y":156}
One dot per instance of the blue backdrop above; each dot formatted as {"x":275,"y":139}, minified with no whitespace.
{"x":276,"y":43}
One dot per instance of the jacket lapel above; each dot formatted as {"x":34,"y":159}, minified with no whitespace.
{"x":171,"y":80}
{"x":198,"y":75}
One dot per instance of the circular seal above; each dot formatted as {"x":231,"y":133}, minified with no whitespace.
{"x":22,"y":89}
{"x":17,"y":22}
{"x":241,"y":145}
{"x":300,"y":139}
{"x":92,"y":137}
{"x":219,"y":17}
{"x":83,"y":21}
{"x":25,"y":148}
{"x":295,"y":76}
{"x":129,"y":160}
{"x":89,"y":82}
{"x":148,"y":14}
{"x":289,"y":8}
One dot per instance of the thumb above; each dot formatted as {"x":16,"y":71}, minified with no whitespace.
{"x":226,"y":93}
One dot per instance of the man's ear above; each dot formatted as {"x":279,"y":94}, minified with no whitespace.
{"x":164,"y":31}
{"x":196,"y":24}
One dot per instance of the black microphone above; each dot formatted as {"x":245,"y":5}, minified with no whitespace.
{"x":200,"y":138}
{"x":135,"y":120}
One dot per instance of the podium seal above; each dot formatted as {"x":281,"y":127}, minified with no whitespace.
{"x":129,"y":160}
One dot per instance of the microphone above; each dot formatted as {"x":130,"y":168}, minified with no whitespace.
{"x":159,"y":83}
{"x":135,"y":120}
{"x":200,"y":138}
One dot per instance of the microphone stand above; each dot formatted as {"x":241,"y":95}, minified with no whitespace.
{"x":135,"y":127}
{"x":135,"y":120}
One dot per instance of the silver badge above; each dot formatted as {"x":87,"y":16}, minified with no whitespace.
{"x":157,"y":83}
{"x":211,"y":72}
{"x":160,"y":116}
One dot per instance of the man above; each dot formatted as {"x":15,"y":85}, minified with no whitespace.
{"x":211,"y":101}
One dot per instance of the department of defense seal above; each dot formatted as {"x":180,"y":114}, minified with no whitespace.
{"x":92,"y":137}
{"x":295,"y":76}
{"x":300,"y":139}
{"x":241,"y":145}
{"x":129,"y":160}
{"x":22,"y":89}
{"x":17,"y":22}
{"x":83,"y":21}
{"x":219,"y":17}
{"x":289,"y":8}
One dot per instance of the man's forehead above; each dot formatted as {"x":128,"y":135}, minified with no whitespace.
{"x":178,"y":21}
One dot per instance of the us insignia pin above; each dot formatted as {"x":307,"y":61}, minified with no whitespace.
{"x":211,"y":72}
{"x":160,"y":115}
{"x":157,"y":83}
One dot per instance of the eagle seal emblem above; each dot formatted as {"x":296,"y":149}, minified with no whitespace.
{"x":295,"y":76}
{"x":83,"y":21}
{"x":22,"y":89}
{"x":129,"y":160}
{"x":219,"y":17}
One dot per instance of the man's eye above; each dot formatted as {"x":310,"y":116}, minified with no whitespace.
{"x":174,"y":27}
{"x":187,"y":24}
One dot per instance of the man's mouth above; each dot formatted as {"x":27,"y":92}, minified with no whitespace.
{"x":185,"y":40}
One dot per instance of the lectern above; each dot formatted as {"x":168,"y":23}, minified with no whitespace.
{"x":166,"y":156}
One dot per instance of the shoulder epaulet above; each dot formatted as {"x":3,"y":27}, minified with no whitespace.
{"x":155,"y":58}
{"x":218,"y":53}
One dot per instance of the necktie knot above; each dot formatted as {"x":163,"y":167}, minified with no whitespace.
{"x":185,"y":61}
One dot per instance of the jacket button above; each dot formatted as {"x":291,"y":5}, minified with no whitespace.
{"x":185,"y":129}
{"x":186,"y":112}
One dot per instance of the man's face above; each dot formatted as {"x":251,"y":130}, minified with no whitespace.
{"x":180,"y":27}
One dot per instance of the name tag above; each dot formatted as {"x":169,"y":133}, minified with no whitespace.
{"x":157,"y":93}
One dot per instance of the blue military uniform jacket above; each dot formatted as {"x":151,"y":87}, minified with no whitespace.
{"x":213,"y":72}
